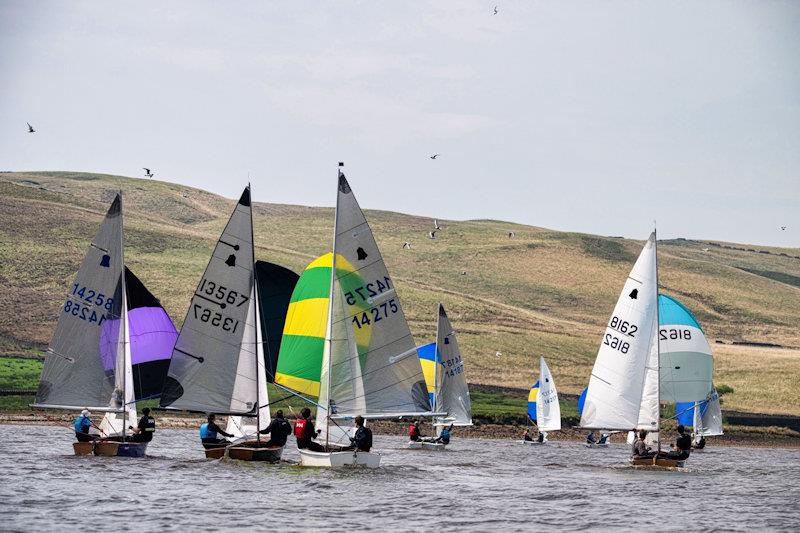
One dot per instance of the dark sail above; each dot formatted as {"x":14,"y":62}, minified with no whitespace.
{"x":275,"y":285}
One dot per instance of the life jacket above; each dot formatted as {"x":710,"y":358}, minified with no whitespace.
{"x":82,"y":424}
{"x":300,"y":428}
{"x":413,"y":431}
{"x":206,"y":433}
{"x":149,"y":424}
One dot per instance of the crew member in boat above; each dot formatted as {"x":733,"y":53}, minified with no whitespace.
{"x":640,"y":448}
{"x":700,"y":443}
{"x":278,"y":430}
{"x":590,"y":438}
{"x":414,"y":432}
{"x":144,"y":430}
{"x":683,"y":445}
{"x":209,"y":431}
{"x":83,"y":425}
{"x":362,"y":440}
{"x":527,"y":436}
{"x":542,"y":437}
{"x":444,"y":436}
{"x":304,"y":432}
{"x":603,"y":439}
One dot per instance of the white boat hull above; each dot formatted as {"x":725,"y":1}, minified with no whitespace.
{"x":596,"y":445}
{"x":422,"y":445}
{"x":533,"y":442}
{"x":349,"y":458}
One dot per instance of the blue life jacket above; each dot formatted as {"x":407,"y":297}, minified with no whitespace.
{"x":445,"y":436}
{"x":82,"y":424}
{"x":206,"y":433}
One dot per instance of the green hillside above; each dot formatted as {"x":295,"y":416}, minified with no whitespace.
{"x":540,"y":292}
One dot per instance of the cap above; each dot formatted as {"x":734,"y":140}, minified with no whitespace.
{"x":85,"y":412}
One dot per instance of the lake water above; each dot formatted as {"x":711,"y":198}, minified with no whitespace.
{"x":476,"y":485}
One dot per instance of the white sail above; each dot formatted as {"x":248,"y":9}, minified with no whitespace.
{"x":649,"y":407}
{"x":618,"y":379}
{"x":708,"y":417}
{"x":452,"y":393}
{"x":246,"y":382}
{"x":548,"y":410}
{"x":115,"y":423}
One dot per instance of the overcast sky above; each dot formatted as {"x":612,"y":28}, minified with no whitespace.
{"x":597,"y":117}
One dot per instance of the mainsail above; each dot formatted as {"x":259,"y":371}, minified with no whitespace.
{"x":623,"y":388}
{"x":85,"y":364}
{"x":452,"y":395}
{"x":686,"y":362}
{"x":548,"y":410}
{"x":214,"y":362}
{"x":705,"y":416}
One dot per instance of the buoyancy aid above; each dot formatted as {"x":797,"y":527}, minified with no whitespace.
{"x":206,"y":433}
{"x":300,"y":428}
{"x":413,"y":431}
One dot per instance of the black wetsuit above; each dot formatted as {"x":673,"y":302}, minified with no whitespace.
{"x":278,"y":431}
{"x":684,"y":447}
{"x":363,"y":439}
{"x":146,"y":426}
{"x":306,"y":442}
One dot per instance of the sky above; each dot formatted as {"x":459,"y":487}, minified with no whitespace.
{"x":598,"y":117}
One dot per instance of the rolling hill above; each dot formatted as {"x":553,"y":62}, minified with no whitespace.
{"x":538,"y":292}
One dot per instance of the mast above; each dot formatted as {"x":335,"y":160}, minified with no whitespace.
{"x":329,"y":329}
{"x":436,"y":369}
{"x":124,"y":317}
{"x":255,"y":308}
{"x":658,"y":345}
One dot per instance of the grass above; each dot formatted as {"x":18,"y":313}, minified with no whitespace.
{"x":541,"y":292}
{"x":18,"y":373}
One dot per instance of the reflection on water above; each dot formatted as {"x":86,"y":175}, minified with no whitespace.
{"x":476,"y":485}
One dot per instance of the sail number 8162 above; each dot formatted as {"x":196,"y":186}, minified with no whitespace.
{"x":616,"y":343}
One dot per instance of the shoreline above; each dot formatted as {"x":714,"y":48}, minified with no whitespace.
{"x":746,"y":436}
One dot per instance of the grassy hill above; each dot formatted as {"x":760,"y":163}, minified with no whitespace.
{"x":542,"y":292}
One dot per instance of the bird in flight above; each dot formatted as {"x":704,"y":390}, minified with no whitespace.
{"x":436,"y":224}
{"x":30,"y":128}
{"x":434,"y":156}
{"x":406,"y":245}
{"x":147,"y":173}
{"x":432,"y":234}
{"x":495,"y":10}
{"x":783,"y":228}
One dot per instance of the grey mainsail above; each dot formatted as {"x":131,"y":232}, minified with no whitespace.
{"x":214,"y":359}
{"x":88,"y":344}
{"x":453,"y":392}
{"x":374,"y":368}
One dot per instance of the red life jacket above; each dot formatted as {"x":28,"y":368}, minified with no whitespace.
{"x":299,"y":428}
{"x":413,"y":431}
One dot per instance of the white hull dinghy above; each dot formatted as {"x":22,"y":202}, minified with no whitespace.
{"x":426,"y":445}
{"x":543,"y":407}
{"x":353,"y":458}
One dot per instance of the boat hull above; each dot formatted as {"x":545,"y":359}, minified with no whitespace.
{"x":596,"y":445}
{"x":215,"y":453}
{"x":532,"y":442}
{"x":350,"y":458}
{"x":83,"y":448}
{"x":254,"y":451}
{"x":662,"y":462}
{"x":422,"y":445}
{"x":108,"y":448}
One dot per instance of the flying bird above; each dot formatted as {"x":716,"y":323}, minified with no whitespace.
{"x":463,"y":272}
{"x":434,"y":156}
{"x":499,"y":354}
{"x":30,"y":128}
{"x":783,"y":228}
{"x":436,"y":224}
{"x":147,"y":173}
{"x":495,"y":10}
{"x":432,"y":234}
{"x":406,"y":245}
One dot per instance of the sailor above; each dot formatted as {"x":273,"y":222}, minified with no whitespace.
{"x":144,"y":430}
{"x":542,"y":437}
{"x":414,"y":433}
{"x":278,"y":430}
{"x":700,"y":443}
{"x":362,"y":440}
{"x":683,"y":445}
{"x":209,"y":431}
{"x":603,"y":439}
{"x":444,"y":436}
{"x":590,"y":439}
{"x":527,"y":436}
{"x":304,"y":432}
{"x":640,"y":449}
{"x":82,"y":427}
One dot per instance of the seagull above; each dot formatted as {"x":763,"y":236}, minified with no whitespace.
{"x":436,"y":224}
{"x":434,"y":156}
{"x":495,"y":10}
{"x":499,"y":354}
{"x":706,"y":250}
{"x":147,"y":173}
{"x":30,"y":128}
{"x":783,"y":228}
{"x":406,"y":245}
{"x":511,"y":234}
{"x":463,"y":272}
{"x":432,"y":234}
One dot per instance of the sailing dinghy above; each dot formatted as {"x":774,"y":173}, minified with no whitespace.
{"x":369,"y":363}
{"x":447,"y":388}
{"x":111,"y":344}
{"x":543,"y":406}
{"x":218,"y":363}
{"x":624,"y":389}
{"x":705,"y":417}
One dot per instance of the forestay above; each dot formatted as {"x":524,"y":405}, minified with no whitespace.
{"x":453,"y":393}
{"x":85,"y":361}
{"x":624,"y":380}
{"x":374,"y":368}
{"x":214,"y":360}
{"x":548,"y":410}
{"x":686,"y":362}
